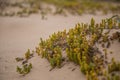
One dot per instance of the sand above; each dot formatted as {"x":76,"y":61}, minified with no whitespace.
{"x":18,"y":34}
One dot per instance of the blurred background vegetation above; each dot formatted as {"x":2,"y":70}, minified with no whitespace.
{"x":61,"y":6}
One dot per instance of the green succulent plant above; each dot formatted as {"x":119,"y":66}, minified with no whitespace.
{"x":19,"y":59}
{"x":27,"y":54}
{"x":52,"y":62}
{"x":114,"y":66}
{"x":80,"y":44}
{"x":25,"y":69}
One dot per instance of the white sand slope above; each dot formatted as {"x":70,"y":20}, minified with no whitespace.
{"x":18,"y":34}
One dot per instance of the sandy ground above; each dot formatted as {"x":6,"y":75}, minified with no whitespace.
{"x":18,"y":34}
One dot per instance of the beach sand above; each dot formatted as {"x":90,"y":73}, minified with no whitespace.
{"x":18,"y":34}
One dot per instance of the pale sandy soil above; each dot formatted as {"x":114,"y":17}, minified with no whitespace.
{"x":18,"y":34}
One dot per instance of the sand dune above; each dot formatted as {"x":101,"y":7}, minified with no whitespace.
{"x":18,"y":34}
